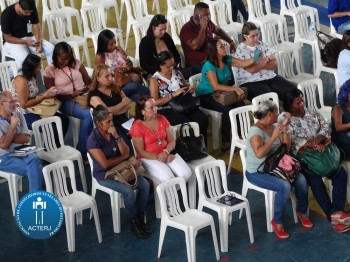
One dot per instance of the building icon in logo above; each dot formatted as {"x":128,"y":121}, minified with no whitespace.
{"x":39,"y":207}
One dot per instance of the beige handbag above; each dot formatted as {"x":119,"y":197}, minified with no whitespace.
{"x":46,"y":108}
{"x":227,"y":98}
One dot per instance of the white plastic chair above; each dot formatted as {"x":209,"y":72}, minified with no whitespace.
{"x":313,"y":97}
{"x":60,"y":30}
{"x":7,"y":69}
{"x":116,"y":198}
{"x":185,"y":219}
{"x":216,"y":117}
{"x":140,"y":31}
{"x":212,"y":185}
{"x":73,"y":203}
{"x":105,"y":5}
{"x":268,"y":96}
{"x":333,"y":31}
{"x":94,"y":22}
{"x":44,"y":137}
{"x":15,"y":184}
{"x":221,"y":14}
{"x":244,"y":115}
{"x":137,"y":14}
{"x":53,"y":6}
{"x":269,"y":195}
{"x":177,"y":5}
{"x":177,"y":20}
{"x":192,"y":184}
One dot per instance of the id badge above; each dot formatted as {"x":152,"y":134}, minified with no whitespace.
{"x":29,"y":27}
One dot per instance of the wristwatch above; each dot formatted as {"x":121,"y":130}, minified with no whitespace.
{"x":118,"y":139}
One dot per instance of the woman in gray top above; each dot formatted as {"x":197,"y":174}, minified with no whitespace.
{"x":263,"y":139}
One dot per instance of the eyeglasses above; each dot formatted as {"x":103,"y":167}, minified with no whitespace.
{"x":10,"y":102}
{"x":221,"y":46}
{"x":253,"y":36}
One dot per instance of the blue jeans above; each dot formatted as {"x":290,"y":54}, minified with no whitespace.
{"x":134,"y":90}
{"x":319,"y":191}
{"x":29,"y":166}
{"x":132,"y":207}
{"x":282,"y":189}
{"x":86,"y":125}
{"x":343,"y":27}
{"x":238,"y":5}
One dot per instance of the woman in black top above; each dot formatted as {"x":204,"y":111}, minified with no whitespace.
{"x":103,"y":91}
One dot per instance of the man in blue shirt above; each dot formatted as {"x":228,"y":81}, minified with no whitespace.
{"x":339,"y":12}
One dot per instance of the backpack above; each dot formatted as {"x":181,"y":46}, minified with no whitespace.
{"x":330,"y":48}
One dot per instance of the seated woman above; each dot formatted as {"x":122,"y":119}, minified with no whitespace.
{"x":168,"y":83}
{"x":263,"y":139}
{"x":308,"y":129}
{"x":259,"y":77}
{"x":156,"y":41}
{"x":154,"y":141}
{"x":217,"y":76}
{"x":25,"y":89}
{"x":343,"y":66}
{"x":107,"y":149}
{"x":341,"y":120}
{"x":103,"y":91}
{"x":114,"y":56}
{"x":70,"y":78}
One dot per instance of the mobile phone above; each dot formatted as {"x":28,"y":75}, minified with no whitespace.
{"x":197,"y":17}
{"x":186,"y":90}
{"x":36,"y":43}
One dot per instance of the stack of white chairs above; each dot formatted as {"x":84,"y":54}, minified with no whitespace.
{"x":177,"y":20}
{"x":54,"y":6}
{"x":137,"y":15}
{"x":60,"y":30}
{"x":94,"y":22}
{"x":73,"y":201}
{"x":179,"y":5}
{"x":215,"y":115}
{"x":177,"y":214}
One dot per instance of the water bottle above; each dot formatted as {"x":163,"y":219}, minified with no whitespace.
{"x":312,"y":29}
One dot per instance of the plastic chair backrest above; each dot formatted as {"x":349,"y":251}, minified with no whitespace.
{"x":212,"y":179}
{"x":313,"y":93}
{"x":177,"y":20}
{"x":58,"y":27}
{"x":56,"y":179}
{"x":5,"y":72}
{"x":244,"y":116}
{"x":274,"y":32}
{"x":175,"y":5}
{"x":195,"y":80}
{"x":221,"y":13}
{"x":258,"y":8}
{"x":93,"y":19}
{"x":140,"y":31}
{"x":136,"y":9}
{"x":44,"y":132}
{"x":52,"y":4}
{"x":289,"y":4}
{"x":169,"y":199}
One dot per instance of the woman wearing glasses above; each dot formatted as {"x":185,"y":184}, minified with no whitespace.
{"x":259,"y":77}
{"x":69,"y":76}
{"x":217,"y":76}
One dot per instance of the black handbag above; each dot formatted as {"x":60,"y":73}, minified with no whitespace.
{"x":274,"y":165}
{"x":190,"y":147}
{"x":184,"y":103}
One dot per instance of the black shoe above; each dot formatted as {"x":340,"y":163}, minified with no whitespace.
{"x":143,"y":223}
{"x":137,"y":229}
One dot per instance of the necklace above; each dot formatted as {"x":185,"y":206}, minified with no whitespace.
{"x":159,"y":141}
{"x":154,"y":132}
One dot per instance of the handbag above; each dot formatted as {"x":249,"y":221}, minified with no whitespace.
{"x":281,"y":164}
{"x":46,"y":108}
{"x":229,"y":200}
{"x":227,"y":98}
{"x":324,"y":164}
{"x":81,"y":100}
{"x":126,"y":172}
{"x":184,"y":103}
{"x":122,"y":75}
{"x":190,"y":147}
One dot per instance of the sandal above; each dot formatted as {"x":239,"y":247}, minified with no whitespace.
{"x":340,"y":218}
{"x":340,"y":228}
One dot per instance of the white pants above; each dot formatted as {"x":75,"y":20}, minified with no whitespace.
{"x":165,"y":171}
{"x":19,"y":52}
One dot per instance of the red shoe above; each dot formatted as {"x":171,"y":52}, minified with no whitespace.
{"x":279,"y":233}
{"x":305,"y":221}
{"x":340,"y":218}
{"x":341,"y":228}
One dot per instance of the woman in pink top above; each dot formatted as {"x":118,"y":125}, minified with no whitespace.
{"x":69,"y":76}
{"x":154,"y":141}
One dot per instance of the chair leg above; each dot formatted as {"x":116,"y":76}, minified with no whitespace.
{"x":115,"y":204}
{"x":161,"y":237}
{"x":190,"y":246}
{"x":97,"y":221}
{"x":244,"y":194}
{"x":70,"y":228}
{"x":82,"y":174}
{"x":223,"y":227}
{"x":294,"y":206}
{"x":156,"y":200}
{"x":192,"y":190}
{"x":213,"y":232}
{"x":269,"y":202}
{"x":232,"y":151}
{"x":249,"y":222}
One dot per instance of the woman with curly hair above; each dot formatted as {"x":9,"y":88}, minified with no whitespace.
{"x":341,"y":119}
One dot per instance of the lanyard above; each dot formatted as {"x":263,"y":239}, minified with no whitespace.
{"x":70,"y":77}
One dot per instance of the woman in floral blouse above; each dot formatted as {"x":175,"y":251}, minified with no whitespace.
{"x":168,"y":83}
{"x":309,"y":129}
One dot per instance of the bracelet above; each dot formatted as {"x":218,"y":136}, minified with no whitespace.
{"x":118,"y":139}
{"x":166,"y":151}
